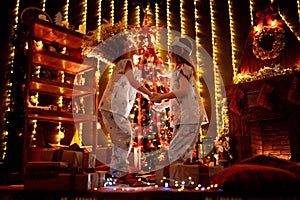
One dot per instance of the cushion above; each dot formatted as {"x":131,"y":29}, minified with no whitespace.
{"x":243,"y":178}
{"x":273,"y":162}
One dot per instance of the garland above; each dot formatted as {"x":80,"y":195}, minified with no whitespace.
{"x":271,"y":51}
{"x":110,"y":45}
{"x":266,"y":72}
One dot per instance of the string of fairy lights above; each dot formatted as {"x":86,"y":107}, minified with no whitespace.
{"x":157,"y":23}
{"x":182,"y":18}
{"x":169,"y":13}
{"x":84,"y":12}
{"x":112,"y":12}
{"x":251,"y":12}
{"x":233,"y":35}
{"x":9,"y":100}
{"x":298,"y":6}
{"x":66,"y":11}
{"x":289,"y":25}
{"x":169,"y":28}
{"x":44,"y":5}
{"x":125,"y":18}
{"x":216,"y":65}
{"x":99,"y":20}
{"x":138,"y":16}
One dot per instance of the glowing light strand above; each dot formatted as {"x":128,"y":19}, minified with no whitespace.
{"x":66,"y":12}
{"x":8,"y":100}
{"x":138,"y":16}
{"x":232,"y":38}
{"x":182,"y":19}
{"x":251,"y":11}
{"x":84,"y":12}
{"x":157,"y":22}
{"x":298,"y":5}
{"x":198,"y":55}
{"x":44,"y":5}
{"x":216,"y":66}
{"x":169,"y":33}
{"x":112,"y":12}
{"x":125,"y":18}
{"x":34,"y":131}
{"x":99,"y":20}
{"x":289,"y":25}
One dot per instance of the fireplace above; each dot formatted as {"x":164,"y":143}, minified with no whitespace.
{"x":260,"y":130}
{"x":270,"y":138}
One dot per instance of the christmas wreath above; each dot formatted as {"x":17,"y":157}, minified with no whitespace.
{"x":268,"y":42}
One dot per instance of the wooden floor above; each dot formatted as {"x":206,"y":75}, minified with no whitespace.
{"x":17,"y":192}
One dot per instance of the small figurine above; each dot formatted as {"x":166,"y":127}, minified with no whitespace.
{"x":223,"y":154}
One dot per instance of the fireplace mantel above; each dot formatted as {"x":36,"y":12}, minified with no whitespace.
{"x":258,"y":130}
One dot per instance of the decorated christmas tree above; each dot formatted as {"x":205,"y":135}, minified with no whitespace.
{"x":153,"y":131}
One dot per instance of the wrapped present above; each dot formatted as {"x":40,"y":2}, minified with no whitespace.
{"x":89,"y":160}
{"x":42,"y":169}
{"x":191,"y":174}
{"x":60,"y":183}
{"x":73,"y":158}
{"x":84,"y":182}
{"x":101,"y":178}
{"x":134,"y":157}
{"x":64,"y":182}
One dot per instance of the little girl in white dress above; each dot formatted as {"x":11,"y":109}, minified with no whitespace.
{"x":186,"y":108}
{"x":116,"y":104}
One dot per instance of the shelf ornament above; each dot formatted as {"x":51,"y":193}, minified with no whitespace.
{"x":30,"y":12}
{"x":58,"y":19}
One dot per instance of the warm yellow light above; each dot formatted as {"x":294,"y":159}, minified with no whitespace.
{"x":290,"y":26}
{"x":137,"y":16}
{"x":44,"y":5}
{"x":99,"y":20}
{"x":125,"y":18}
{"x":217,"y":77}
{"x":112,"y":12}
{"x":182,"y":19}
{"x":66,"y":13}
{"x":274,"y":23}
{"x":169,"y":32}
{"x":233,"y":40}
{"x":251,"y":11}
{"x":60,"y":101}
{"x":257,"y":29}
{"x":39,"y":45}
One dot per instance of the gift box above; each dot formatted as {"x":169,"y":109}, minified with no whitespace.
{"x":43,"y":169}
{"x":60,"y":183}
{"x":190,"y":174}
{"x":64,"y":182}
{"x":104,"y":154}
{"x":101,"y":178}
{"x":84,"y":182}
{"x":89,"y":160}
{"x":134,"y":157}
{"x":73,"y":158}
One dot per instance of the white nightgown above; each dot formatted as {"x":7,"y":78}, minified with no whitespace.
{"x":115,"y":106}
{"x":187,"y":113}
